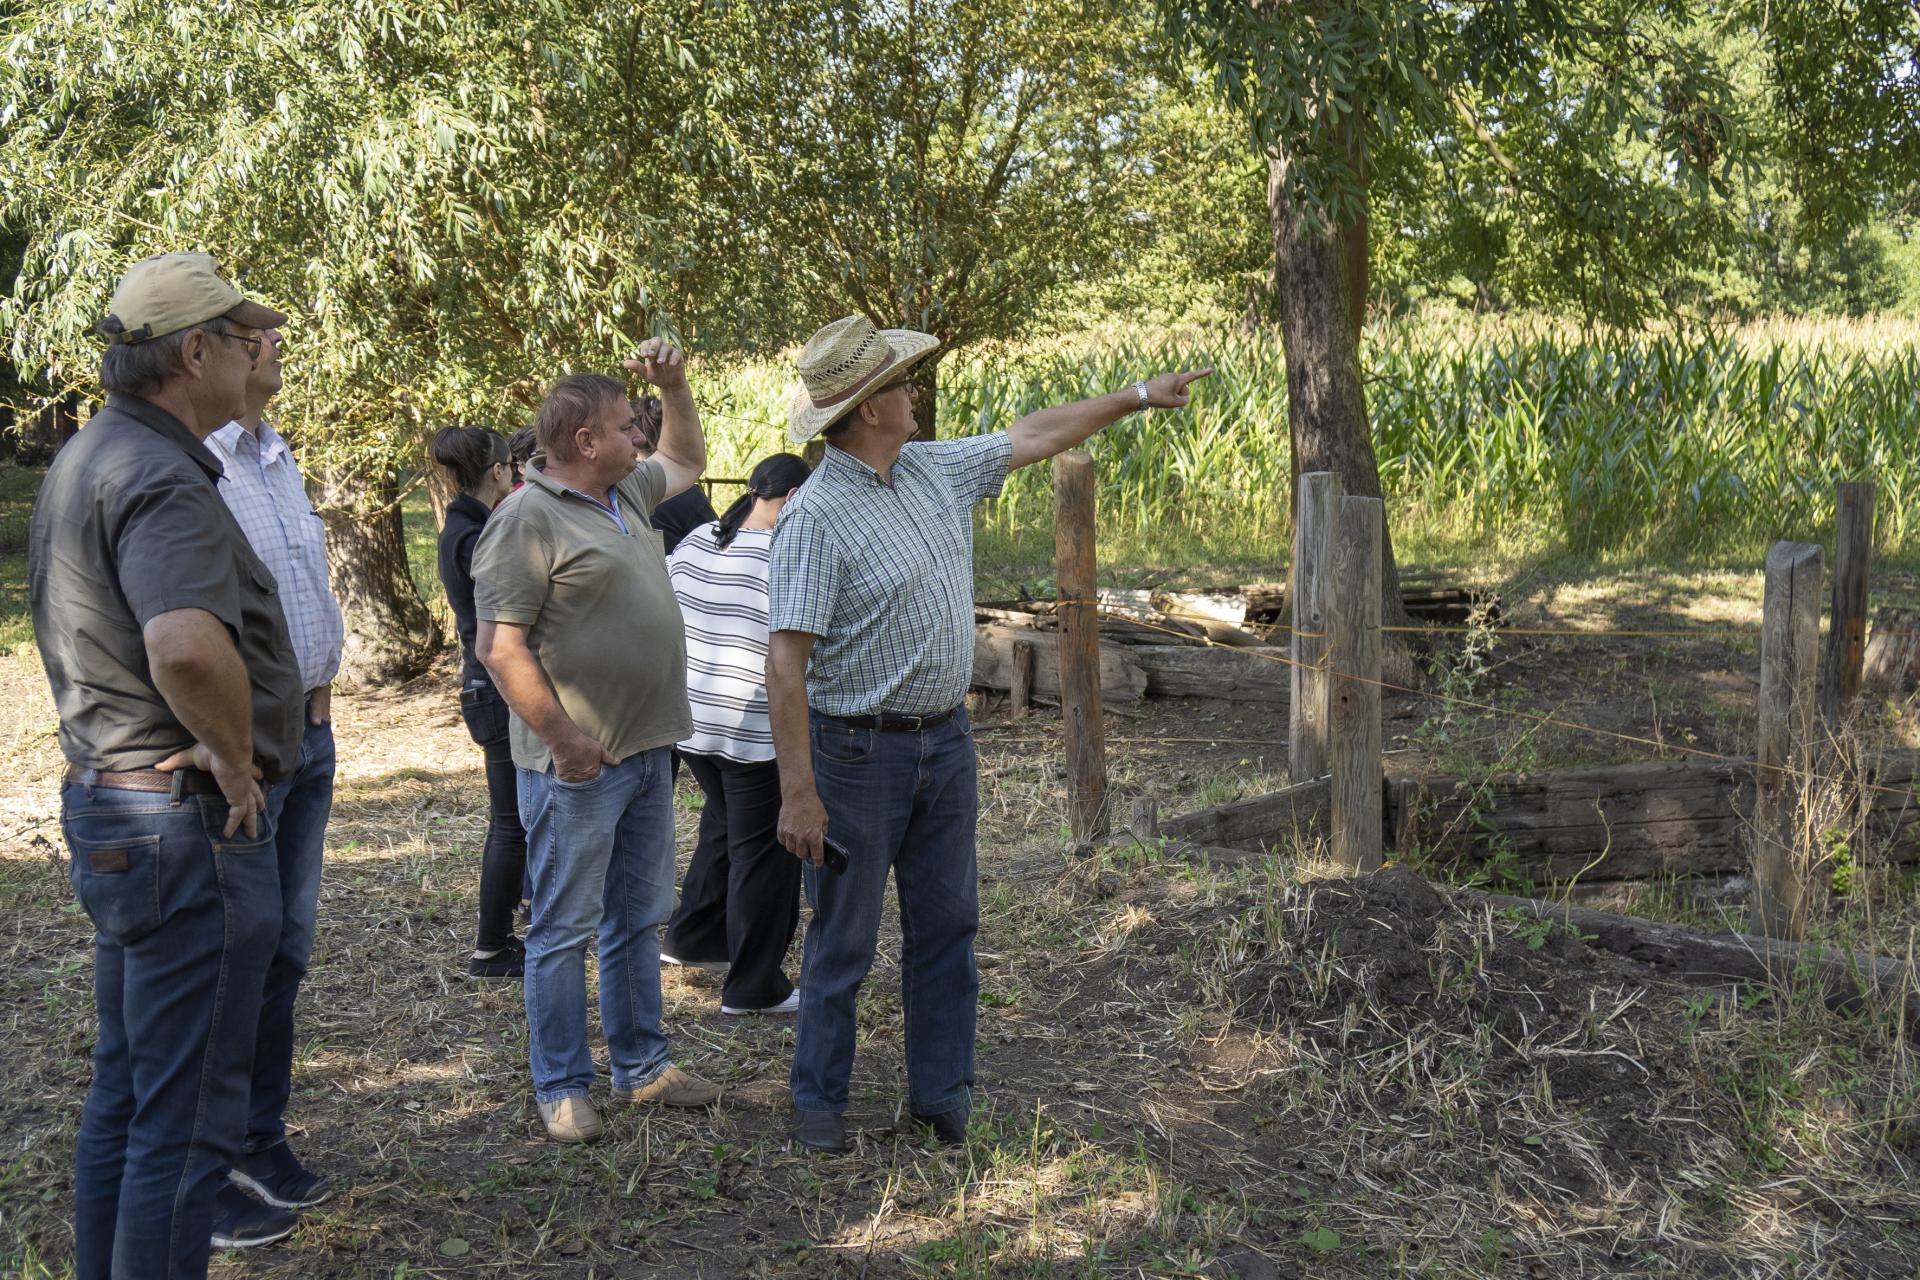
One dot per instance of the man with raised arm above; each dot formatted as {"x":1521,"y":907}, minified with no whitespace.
{"x":871,"y":583}
{"x":179,"y":697}
{"x":580,"y":630}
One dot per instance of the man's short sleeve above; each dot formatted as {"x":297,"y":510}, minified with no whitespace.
{"x":803,"y":575}
{"x":976,"y":466}
{"x":644,"y":487}
{"x":174,"y":551}
{"x":512,"y":572}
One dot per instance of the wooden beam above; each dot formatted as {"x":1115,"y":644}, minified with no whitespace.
{"x":1276,"y":818}
{"x":1789,"y":652}
{"x":1240,"y":675}
{"x":1020,"y":678}
{"x":1354,"y":695}
{"x":1320,"y":493}
{"x":1082,"y":725}
{"x":1847,"y":625}
{"x":1121,"y":678}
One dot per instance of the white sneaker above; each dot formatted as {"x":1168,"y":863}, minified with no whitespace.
{"x":709,"y":966}
{"x":790,"y":1005}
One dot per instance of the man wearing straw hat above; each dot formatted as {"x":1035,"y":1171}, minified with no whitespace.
{"x":871,"y":582}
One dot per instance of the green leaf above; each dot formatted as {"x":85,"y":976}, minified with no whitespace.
{"x":454,"y":1247}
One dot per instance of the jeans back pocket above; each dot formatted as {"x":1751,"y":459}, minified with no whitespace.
{"x":118,"y":883}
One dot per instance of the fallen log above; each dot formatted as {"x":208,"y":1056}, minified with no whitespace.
{"x":1121,"y":679}
{"x":1184,"y":671}
{"x":1278,"y":817}
{"x":1618,"y":822}
{"x":1843,"y":978}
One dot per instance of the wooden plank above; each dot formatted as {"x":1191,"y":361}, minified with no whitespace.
{"x":1274,"y":818}
{"x":1121,"y":679}
{"x":1789,"y":650}
{"x":1020,"y":677}
{"x":1320,"y":493}
{"x":1844,"y":977}
{"x":1080,"y":693}
{"x":1847,"y":627}
{"x":1354,"y":695}
{"x":1241,"y":675}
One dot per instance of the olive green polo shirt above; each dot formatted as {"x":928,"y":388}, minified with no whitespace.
{"x":130,"y":525}
{"x":601,"y":616}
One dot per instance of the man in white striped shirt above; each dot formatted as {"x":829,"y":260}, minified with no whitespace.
{"x":264,"y":490}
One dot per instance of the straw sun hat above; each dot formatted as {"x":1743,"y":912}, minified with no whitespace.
{"x":843,"y":364}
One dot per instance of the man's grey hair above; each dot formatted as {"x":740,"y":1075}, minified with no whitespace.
{"x":141,"y":368}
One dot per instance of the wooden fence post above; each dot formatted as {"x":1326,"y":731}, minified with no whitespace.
{"x":1847,"y":629}
{"x":1354,"y":698}
{"x":1320,"y":493}
{"x":1080,"y":709}
{"x":1789,"y":653}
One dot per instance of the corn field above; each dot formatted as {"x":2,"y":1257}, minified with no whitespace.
{"x":1487,"y":435}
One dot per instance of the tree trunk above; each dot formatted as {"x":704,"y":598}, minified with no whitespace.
{"x":391,"y":636}
{"x":1319,"y":281}
{"x":926,"y":409}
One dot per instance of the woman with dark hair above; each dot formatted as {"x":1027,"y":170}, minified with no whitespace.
{"x":481,"y":465}
{"x":740,"y":902}
{"x":683,"y":512}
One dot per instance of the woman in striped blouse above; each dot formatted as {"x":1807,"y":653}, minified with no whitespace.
{"x":740,"y":903}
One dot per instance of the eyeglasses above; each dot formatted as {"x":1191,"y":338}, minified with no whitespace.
{"x":913,"y":392}
{"x":251,"y":344}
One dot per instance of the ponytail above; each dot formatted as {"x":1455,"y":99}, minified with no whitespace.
{"x":775,"y":477}
{"x":467,"y":452}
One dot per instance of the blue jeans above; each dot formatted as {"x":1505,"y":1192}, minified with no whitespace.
{"x":906,"y":802}
{"x":186,"y":925}
{"x":601,"y":856}
{"x":299,"y":805}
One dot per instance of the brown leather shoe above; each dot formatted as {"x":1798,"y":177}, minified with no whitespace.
{"x":571,"y":1120}
{"x":673,"y":1088}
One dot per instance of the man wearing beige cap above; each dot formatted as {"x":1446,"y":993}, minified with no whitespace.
{"x":871,"y":584}
{"x":179,"y":698}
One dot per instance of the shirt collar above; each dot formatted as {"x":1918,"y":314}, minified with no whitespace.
{"x":845,"y":464}
{"x":168,"y":427}
{"x":469,"y":506}
{"x":537,"y":477}
{"x":229,"y":440}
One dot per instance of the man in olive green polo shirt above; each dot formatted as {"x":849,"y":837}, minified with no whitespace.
{"x":580,"y":629}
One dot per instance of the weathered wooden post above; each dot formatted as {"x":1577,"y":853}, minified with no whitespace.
{"x":1145,"y":818}
{"x":1080,"y":710}
{"x":1354,"y":698}
{"x":1020,"y":683}
{"x":1847,"y":628}
{"x":1789,"y":653}
{"x":1320,"y":493}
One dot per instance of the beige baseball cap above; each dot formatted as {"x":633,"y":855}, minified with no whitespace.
{"x":175,"y":291}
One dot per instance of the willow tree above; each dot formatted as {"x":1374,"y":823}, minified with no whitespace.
{"x":453,"y":202}
{"x":946,"y":165}
{"x":1608,"y":129}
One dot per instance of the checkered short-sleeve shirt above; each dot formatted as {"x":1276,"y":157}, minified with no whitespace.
{"x":883,"y":575}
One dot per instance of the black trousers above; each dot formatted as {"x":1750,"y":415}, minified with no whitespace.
{"x":740,"y":903}
{"x":504,"y":863}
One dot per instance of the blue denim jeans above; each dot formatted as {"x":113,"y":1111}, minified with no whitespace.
{"x":905,"y":802}
{"x":601,"y":856}
{"x":186,"y":925}
{"x":300,"y":805}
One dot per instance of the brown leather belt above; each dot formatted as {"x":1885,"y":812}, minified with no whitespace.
{"x":193,"y":782}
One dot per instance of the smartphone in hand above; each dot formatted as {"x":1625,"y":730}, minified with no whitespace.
{"x":835,"y":854}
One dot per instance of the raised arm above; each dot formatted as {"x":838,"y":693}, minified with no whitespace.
{"x":682,"y":454}
{"x":1045,"y":432}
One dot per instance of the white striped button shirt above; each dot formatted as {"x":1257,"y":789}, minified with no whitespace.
{"x":266,"y":494}
{"x":723,"y":597}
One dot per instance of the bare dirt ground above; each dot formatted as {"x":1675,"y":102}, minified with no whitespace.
{"x":1185,"y":1071}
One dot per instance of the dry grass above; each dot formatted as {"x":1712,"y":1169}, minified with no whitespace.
{"x":1241,"y":1071}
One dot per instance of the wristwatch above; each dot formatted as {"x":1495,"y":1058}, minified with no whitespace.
{"x":1140,"y":389}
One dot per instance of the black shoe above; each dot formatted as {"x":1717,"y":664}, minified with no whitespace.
{"x":819,"y":1131}
{"x":508,"y":964}
{"x":950,"y":1127}
{"x":241,"y":1222}
{"x":278,"y":1178}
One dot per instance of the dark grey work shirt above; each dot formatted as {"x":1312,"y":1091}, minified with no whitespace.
{"x":130,"y":525}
